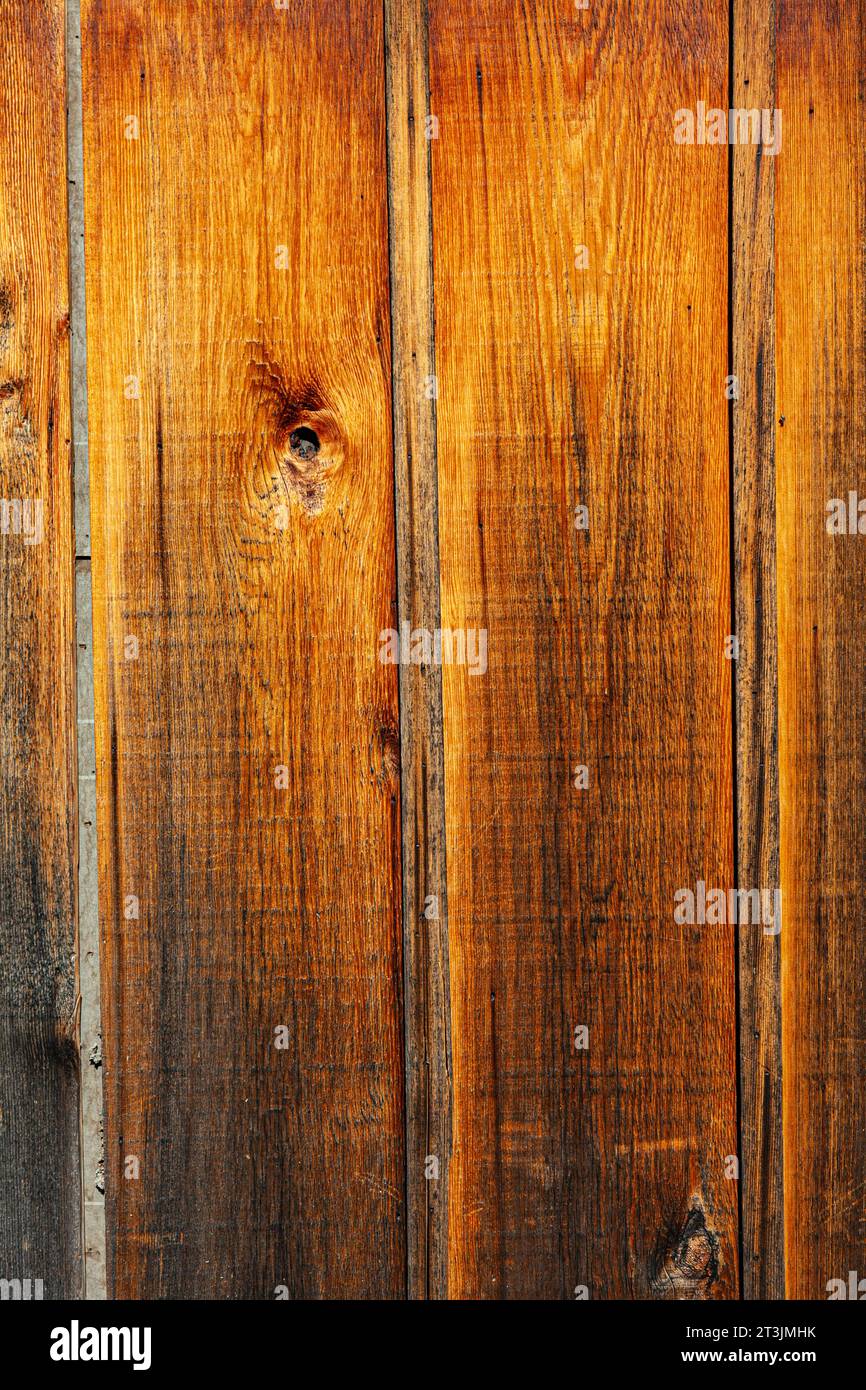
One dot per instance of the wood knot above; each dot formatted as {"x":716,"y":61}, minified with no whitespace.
{"x":385,"y":754}
{"x":310,"y":445}
{"x":687,"y":1265}
{"x":391,"y":752}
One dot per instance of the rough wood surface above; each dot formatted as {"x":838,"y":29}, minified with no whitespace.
{"x":821,"y":446}
{"x":604,"y":387}
{"x":425,"y":903}
{"x":329,"y":1071}
{"x":40,"y":1217}
{"x":753,"y":341}
{"x":248,"y":743}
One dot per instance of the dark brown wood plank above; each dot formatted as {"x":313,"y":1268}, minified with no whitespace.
{"x":248,"y":746}
{"x":40,"y":1196}
{"x":412,"y":129}
{"x":754,"y":440}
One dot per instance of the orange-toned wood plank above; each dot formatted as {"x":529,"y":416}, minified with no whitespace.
{"x":567,"y":379}
{"x":248,"y":751}
{"x":821,"y":448}
{"x":40,"y":1206}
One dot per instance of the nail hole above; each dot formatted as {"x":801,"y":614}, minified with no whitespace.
{"x":304,"y":443}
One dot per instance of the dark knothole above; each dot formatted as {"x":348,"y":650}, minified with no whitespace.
{"x":304,"y":443}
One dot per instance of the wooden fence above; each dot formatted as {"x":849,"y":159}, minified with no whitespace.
{"x":476,"y":423}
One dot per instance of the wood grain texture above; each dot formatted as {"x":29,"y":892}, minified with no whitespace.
{"x":40,"y":1214}
{"x":753,"y":339}
{"x":820,"y":449}
{"x":248,"y":755}
{"x":425,"y":899}
{"x":601,"y":387}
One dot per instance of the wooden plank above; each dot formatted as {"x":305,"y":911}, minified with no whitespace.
{"x":90,"y":1031}
{"x":425,"y":900}
{"x":248,"y":750}
{"x":821,"y":444}
{"x":754,"y":440}
{"x":40,"y":1215}
{"x":560,"y":387}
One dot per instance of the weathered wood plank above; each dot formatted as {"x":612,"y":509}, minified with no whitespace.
{"x":601,"y":387}
{"x":248,"y":748}
{"x":40,"y":1209}
{"x":754,"y":438}
{"x":425,"y":902}
{"x":820,"y":449}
